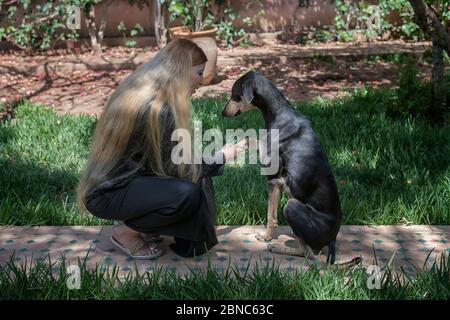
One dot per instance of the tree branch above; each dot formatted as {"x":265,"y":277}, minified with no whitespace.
{"x":10,"y":2}
{"x":429,"y":22}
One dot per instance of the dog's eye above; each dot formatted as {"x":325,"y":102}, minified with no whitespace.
{"x":236,"y":98}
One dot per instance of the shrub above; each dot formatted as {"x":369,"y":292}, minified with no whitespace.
{"x":413,"y":95}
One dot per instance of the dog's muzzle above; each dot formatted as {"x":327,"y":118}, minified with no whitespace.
{"x":231,"y":109}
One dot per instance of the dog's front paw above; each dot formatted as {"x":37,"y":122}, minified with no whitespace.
{"x":263,"y":236}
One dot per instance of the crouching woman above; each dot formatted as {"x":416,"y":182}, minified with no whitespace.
{"x":130,"y":176}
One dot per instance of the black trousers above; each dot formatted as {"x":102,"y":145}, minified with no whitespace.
{"x":164,"y":205}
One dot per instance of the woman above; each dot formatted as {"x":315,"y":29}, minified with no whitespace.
{"x":130,"y":176}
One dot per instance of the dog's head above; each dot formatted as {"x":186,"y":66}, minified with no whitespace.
{"x":242,"y":94}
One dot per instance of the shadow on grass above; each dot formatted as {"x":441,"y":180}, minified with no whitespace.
{"x":34,"y":195}
{"x":388,"y":170}
{"x":396,"y":170}
{"x":38,"y":171}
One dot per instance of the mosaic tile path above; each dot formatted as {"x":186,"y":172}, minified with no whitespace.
{"x":237,"y":248}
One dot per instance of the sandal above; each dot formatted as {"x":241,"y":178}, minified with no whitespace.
{"x":151,"y":237}
{"x":137,"y":245}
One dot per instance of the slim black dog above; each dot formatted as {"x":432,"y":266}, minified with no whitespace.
{"x":313,"y":210}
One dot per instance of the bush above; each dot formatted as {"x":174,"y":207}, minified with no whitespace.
{"x":413,"y":96}
{"x":356,"y":19}
{"x":34,"y":27}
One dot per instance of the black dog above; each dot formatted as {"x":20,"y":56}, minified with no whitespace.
{"x":313,"y":210}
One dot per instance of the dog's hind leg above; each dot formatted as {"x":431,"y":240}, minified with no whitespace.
{"x":310,"y":226}
{"x":295,"y":247}
{"x":272,"y":211}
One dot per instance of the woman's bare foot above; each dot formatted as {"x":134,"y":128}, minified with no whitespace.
{"x":133,"y":242}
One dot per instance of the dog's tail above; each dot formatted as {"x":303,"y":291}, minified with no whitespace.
{"x":344,"y":265}
{"x":331,"y":258}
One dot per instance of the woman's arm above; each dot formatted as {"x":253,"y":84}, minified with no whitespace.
{"x":214,"y":165}
{"x":210,"y":166}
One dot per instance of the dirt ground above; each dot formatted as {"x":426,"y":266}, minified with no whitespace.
{"x":300,"y":77}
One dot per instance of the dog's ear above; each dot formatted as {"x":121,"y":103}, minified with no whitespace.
{"x":247,"y":90}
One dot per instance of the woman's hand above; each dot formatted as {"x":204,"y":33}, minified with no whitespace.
{"x":231,"y":151}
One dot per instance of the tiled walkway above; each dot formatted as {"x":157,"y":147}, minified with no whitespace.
{"x":237,"y":247}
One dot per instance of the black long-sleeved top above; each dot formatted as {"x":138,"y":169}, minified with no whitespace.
{"x":119,"y":176}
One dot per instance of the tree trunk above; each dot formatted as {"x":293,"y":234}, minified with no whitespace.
{"x":96,"y":35}
{"x":428,"y":21}
{"x":160,"y":27}
{"x":197,"y":14}
{"x":104,"y":19}
{"x":92,"y":28}
{"x":438,"y":103}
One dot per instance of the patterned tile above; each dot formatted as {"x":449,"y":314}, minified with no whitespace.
{"x":289,"y":258}
{"x":237,"y":247}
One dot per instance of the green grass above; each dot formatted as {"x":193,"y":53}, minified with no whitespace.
{"x":401,"y":57}
{"x":389,"y":170}
{"x":47,"y":281}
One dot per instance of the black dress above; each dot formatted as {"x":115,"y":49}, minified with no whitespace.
{"x":167,"y":205}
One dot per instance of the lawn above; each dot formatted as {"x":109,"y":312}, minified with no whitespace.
{"x":389,"y":169}
{"x":268,"y":282}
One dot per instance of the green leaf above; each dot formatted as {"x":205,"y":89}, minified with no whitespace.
{"x":130,"y":43}
{"x":176,"y":7}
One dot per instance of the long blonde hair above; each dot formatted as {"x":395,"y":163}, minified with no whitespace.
{"x":131,"y":123}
